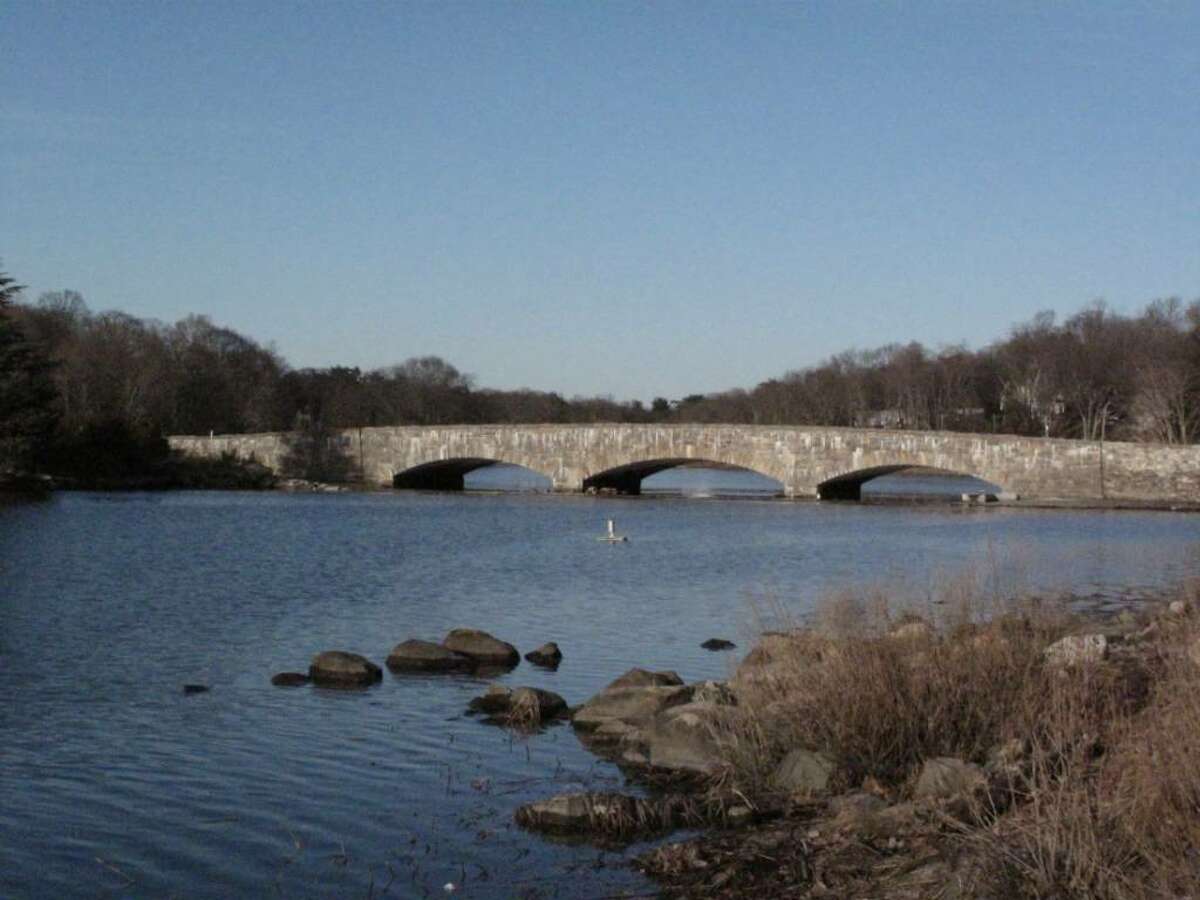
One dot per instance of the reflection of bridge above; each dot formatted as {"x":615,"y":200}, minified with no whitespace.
{"x":807,"y":461}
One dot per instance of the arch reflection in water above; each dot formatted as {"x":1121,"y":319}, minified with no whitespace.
{"x":471,"y":474}
{"x":908,"y":484}
{"x":704,"y":479}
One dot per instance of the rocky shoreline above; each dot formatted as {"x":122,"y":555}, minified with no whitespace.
{"x":908,"y":758}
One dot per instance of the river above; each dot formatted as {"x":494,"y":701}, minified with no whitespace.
{"x":117,"y":783}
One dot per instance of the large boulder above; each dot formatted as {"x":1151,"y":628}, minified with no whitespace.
{"x":684,"y":738}
{"x":630,"y":705}
{"x":803,"y":772}
{"x":336,"y":668}
{"x":482,"y":647}
{"x":426,"y":656}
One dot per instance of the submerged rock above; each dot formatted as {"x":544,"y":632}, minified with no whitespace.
{"x":195,"y":688}
{"x":718,"y":644}
{"x":336,"y":668}
{"x":603,"y":815}
{"x":289,"y":679}
{"x":482,"y":647}
{"x":426,"y":656}
{"x":548,"y":656}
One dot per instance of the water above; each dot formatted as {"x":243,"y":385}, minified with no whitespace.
{"x":114,"y":783}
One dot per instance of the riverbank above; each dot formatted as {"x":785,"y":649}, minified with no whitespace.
{"x":1019,"y":750}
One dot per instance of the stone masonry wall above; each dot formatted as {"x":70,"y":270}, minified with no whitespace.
{"x":801,"y":458}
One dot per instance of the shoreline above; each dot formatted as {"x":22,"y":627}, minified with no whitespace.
{"x":918,"y":751}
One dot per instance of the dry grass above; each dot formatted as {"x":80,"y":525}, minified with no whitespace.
{"x":1103,"y":802}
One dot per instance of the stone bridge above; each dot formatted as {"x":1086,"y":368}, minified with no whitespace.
{"x":831,"y":463}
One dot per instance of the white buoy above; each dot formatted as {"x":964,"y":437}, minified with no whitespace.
{"x":612,"y":537}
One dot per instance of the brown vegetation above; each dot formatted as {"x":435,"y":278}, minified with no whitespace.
{"x":1088,"y":773}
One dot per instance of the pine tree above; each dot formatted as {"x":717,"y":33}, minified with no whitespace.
{"x":27,"y":395}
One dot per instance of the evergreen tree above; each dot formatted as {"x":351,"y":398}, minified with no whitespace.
{"x":27,"y":395}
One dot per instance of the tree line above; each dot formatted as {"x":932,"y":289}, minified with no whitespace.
{"x":80,"y":388}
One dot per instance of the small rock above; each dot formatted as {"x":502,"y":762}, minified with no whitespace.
{"x":737,"y":816}
{"x":1007,"y":755}
{"x":195,"y":688}
{"x":718,"y":644}
{"x":632,"y":757}
{"x":946,"y":777}
{"x":482,"y":647}
{"x":912,"y":628}
{"x":716,"y":693}
{"x":426,"y":656}
{"x":289,"y":679}
{"x":524,"y":706}
{"x":1078,"y":649}
{"x":548,"y":656}
{"x":1177,"y":608}
{"x":637,"y":678}
{"x":336,"y":668}
{"x":804,"y":772}
{"x":854,"y":807}
{"x":495,"y":700}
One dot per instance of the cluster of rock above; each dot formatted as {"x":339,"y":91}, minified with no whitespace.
{"x":651,"y":722}
{"x":462,"y":650}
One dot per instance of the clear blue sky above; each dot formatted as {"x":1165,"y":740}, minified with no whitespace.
{"x":625,"y":198}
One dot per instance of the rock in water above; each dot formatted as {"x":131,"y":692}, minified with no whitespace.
{"x":482,"y":647}
{"x":524,"y":707}
{"x":548,"y":655}
{"x":336,"y":668}
{"x":195,"y":688}
{"x":426,"y":656}
{"x":600,"y":815}
{"x":718,"y":644}
{"x":633,"y":706}
{"x":289,"y":679}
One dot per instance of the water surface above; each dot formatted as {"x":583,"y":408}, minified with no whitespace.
{"x":117,"y":784}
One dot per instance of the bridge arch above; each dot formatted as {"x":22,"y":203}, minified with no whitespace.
{"x":451,"y":474}
{"x":628,"y":477}
{"x":849,"y":485}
